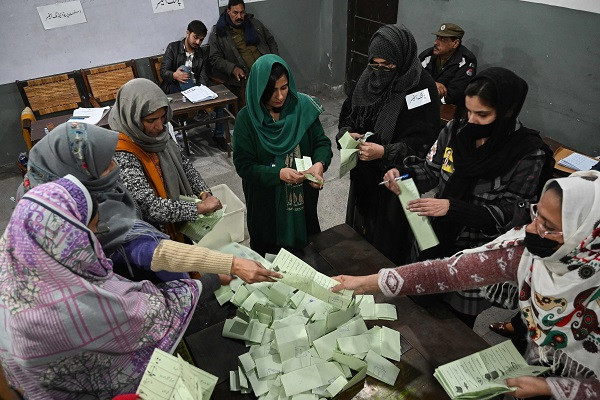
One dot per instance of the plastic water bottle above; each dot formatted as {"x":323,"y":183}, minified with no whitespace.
{"x":183,"y":99}
{"x":46,"y":131}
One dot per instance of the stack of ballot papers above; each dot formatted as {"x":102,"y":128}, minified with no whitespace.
{"x":199,"y":93}
{"x":482,"y":375}
{"x":305,"y":342}
{"x":578,"y":162}
{"x":171,"y":378}
{"x":349,"y":151}
{"x":89,"y":115}
{"x":420,"y":225}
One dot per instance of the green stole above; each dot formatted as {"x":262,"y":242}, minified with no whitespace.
{"x":281,"y":138}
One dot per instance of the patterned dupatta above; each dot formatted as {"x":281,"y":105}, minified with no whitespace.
{"x":559,"y":296}
{"x":70,"y":327}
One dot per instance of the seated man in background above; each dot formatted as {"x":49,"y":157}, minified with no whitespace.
{"x":236,"y":42}
{"x":184,"y":66}
{"x":450,"y":63}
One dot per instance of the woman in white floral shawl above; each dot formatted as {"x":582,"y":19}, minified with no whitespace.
{"x":556,"y":262}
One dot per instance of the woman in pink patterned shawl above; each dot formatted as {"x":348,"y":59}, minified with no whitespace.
{"x":69,"y":327}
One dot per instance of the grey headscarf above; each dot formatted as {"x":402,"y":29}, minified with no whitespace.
{"x":135,"y":100}
{"x":85,"y":151}
{"x":379,"y":96}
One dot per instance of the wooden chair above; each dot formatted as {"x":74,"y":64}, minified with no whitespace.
{"x":52,"y":94}
{"x":27,"y":117}
{"x":103,"y":83}
{"x":155,"y":62}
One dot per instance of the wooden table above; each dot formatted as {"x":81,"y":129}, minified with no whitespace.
{"x":189,"y":109}
{"x":180,"y":109}
{"x":430,"y":337}
{"x":37,"y":126}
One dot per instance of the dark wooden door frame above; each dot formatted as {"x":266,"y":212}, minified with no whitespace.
{"x":364,"y":18}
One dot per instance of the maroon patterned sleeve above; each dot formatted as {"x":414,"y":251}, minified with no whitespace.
{"x":574,"y":389}
{"x":464,"y":271}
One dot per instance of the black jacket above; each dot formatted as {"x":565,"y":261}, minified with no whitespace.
{"x":455,"y":75}
{"x":175,"y":58}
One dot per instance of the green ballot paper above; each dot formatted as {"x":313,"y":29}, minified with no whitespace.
{"x":168,"y":377}
{"x":302,"y":276}
{"x":482,"y":375}
{"x":420,"y":225}
{"x":304,"y":163}
{"x":197,"y":229}
{"x":349,"y":151}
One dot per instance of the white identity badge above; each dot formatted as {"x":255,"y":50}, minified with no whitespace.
{"x":417,"y":99}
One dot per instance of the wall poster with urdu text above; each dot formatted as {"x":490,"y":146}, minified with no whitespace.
{"x":61,"y":14}
{"x":159,"y":6}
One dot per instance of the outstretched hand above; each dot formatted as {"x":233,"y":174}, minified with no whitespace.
{"x":359,"y":284}
{"x":251,"y":271}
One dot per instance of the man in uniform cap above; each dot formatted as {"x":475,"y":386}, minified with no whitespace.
{"x":450,"y":63}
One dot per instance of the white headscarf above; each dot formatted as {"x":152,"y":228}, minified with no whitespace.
{"x":559,"y":295}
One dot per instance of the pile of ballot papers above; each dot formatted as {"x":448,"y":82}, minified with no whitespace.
{"x":305,"y":342}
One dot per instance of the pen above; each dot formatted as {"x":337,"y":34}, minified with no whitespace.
{"x":400,"y":178}
{"x":79,"y":117}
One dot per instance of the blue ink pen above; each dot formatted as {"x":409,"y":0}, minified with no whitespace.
{"x":400,"y":178}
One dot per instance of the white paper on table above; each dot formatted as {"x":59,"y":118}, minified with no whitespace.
{"x":61,"y":14}
{"x":199,"y":93}
{"x":578,"y":162}
{"x":89,"y":115}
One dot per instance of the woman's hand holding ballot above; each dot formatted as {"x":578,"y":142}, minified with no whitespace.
{"x":290,"y":175}
{"x":368,"y":151}
{"x":317,"y":171}
{"x":390,"y":178}
{"x":251,"y":271}
{"x":429,"y":207}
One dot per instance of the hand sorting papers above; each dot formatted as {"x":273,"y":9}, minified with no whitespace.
{"x":482,"y":375}
{"x":349,"y":151}
{"x":301,"y":346}
{"x":200,"y":93}
{"x":303,"y":164}
{"x":89,"y":115}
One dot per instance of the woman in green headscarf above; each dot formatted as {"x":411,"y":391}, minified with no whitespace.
{"x":278,"y":125}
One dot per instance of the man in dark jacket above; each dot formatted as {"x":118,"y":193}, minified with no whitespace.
{"x":450,"y":63}
{"x":184,"y":61}
{"x":236,"y":42}
{"x":184,"y":66}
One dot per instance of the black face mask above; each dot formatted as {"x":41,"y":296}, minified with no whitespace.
{"x":475,"y":131}
{"x":539,"y":246}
